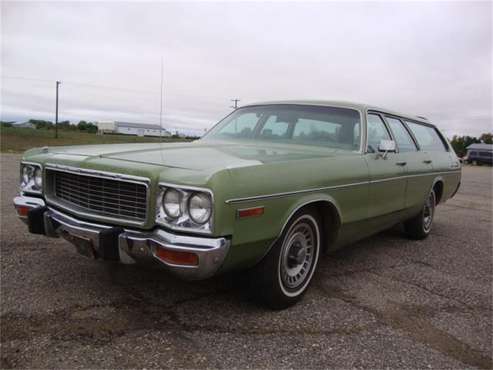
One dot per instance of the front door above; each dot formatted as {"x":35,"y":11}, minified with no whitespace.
{"x":387,"y":189}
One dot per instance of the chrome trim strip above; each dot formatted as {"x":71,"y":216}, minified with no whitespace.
{"x":97,"y":173}
{"x":289,"y":193}
{"x":313,"y":190}
{"x":100,"y":174}
{"x":95,"y":216}
{"x":32,"y":163}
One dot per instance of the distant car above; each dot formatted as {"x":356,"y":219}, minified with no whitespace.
{"x":266,"y":190}
{"x":479,"y":154}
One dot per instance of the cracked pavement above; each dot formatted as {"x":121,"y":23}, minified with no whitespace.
{"x":383,"y":302}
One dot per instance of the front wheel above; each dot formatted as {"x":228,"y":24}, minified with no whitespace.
{"x":283,"y":276}
{"x":419,"y":227}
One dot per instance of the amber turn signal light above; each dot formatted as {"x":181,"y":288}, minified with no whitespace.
{"x":177,"y":257}
{"x":250,"y":212}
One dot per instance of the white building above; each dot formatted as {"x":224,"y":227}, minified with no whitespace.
{"x":130,"y":128}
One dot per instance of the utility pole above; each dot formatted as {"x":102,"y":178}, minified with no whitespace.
{"x":161,"y":103}
{"x":236,"y":103}
{"x":56,"y":111}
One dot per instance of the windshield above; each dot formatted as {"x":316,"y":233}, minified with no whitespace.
{"x":330,"y":127}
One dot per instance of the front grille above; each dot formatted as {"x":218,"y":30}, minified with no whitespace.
{"x":99,"y":195}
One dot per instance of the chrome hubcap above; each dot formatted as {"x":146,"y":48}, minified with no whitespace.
{"x":297,"y":255}
{"x":428,"y":211}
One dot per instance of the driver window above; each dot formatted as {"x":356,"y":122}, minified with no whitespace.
{"x":274,"y":128}
{"x":242,"y":126}
{"x":376,"y":131}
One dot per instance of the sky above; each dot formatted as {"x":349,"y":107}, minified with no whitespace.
{"x":432,"y":59}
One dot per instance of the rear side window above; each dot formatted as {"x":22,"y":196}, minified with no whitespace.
{"x":427,"y":137}
{"x":376,"y":132}
{"x":402,"y":137}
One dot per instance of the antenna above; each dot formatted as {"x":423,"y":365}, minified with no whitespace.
{"x":161,"y":104}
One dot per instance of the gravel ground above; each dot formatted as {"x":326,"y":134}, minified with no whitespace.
{"x":386,"y":302}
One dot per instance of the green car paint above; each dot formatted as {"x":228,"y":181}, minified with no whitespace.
{"x":358,"y":192}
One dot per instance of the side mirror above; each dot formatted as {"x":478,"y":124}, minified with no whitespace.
{"x":386,"y":146}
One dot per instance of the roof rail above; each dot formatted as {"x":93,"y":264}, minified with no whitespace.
{"x":426,"y":119}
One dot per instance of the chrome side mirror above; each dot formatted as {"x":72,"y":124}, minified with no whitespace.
{"x":386,"y":146}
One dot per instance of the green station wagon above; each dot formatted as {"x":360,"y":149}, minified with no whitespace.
{"x":265,"y":191}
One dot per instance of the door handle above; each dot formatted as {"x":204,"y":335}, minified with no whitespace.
{"x":427,"y":161}
{"x":401,"y":163}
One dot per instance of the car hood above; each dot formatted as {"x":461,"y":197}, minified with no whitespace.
{"x":199,"y":155}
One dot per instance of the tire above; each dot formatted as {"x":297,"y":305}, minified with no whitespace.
{"x":419,"y":227}
{"x":284,"y":274}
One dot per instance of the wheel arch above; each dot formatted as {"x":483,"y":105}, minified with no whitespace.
{"x":438,"y":187}
{"x":329,"y":212}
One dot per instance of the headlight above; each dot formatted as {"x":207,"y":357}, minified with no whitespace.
{"x":200,"y":207}
{"x":25,"y":174}
{"x":185,"y":209}
{"x":31,"y":178}
{"x":38,"y":177}
{"x":172,"y":203}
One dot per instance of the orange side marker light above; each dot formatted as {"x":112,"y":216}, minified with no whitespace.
{"x":250,"y":212}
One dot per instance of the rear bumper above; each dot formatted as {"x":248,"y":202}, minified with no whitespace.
{"x":203,"y":255}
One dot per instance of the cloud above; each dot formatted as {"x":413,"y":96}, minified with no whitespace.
{"x":425,"y":58}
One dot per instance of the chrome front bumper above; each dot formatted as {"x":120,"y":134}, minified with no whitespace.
{"x":126,"y":245}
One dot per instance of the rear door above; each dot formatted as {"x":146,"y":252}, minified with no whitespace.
{"x":445,"y":163}
{"x":417,"y":163}
{"x":430,"y":142}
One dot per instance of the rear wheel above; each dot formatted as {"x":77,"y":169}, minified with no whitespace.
{"x":419,"y":227}
{"x":283,"y":276}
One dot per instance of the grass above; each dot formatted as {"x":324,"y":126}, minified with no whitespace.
{"x":17,"y":140}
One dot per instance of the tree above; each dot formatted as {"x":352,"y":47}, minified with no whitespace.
{"x":486,"y":138}
{"x":460,"y":143}
{"x":87,"y":127}
{"x":41,"y":124}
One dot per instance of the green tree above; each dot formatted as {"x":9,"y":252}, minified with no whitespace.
{"x":41,"y":124}
{"x":87,"y":127}
{"x":486,"y":138}
{"x":460,"y":143}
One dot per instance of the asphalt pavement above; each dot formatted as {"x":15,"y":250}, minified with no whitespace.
{"x":385,"y":302}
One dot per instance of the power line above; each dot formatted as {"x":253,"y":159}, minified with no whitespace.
{"x":109,"y":87}
{"x":81,"y":84}
{"x":25,"y":78}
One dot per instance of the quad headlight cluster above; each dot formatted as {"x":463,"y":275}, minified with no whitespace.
{"x":31,"y":178}
{"x":185,"y":209}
